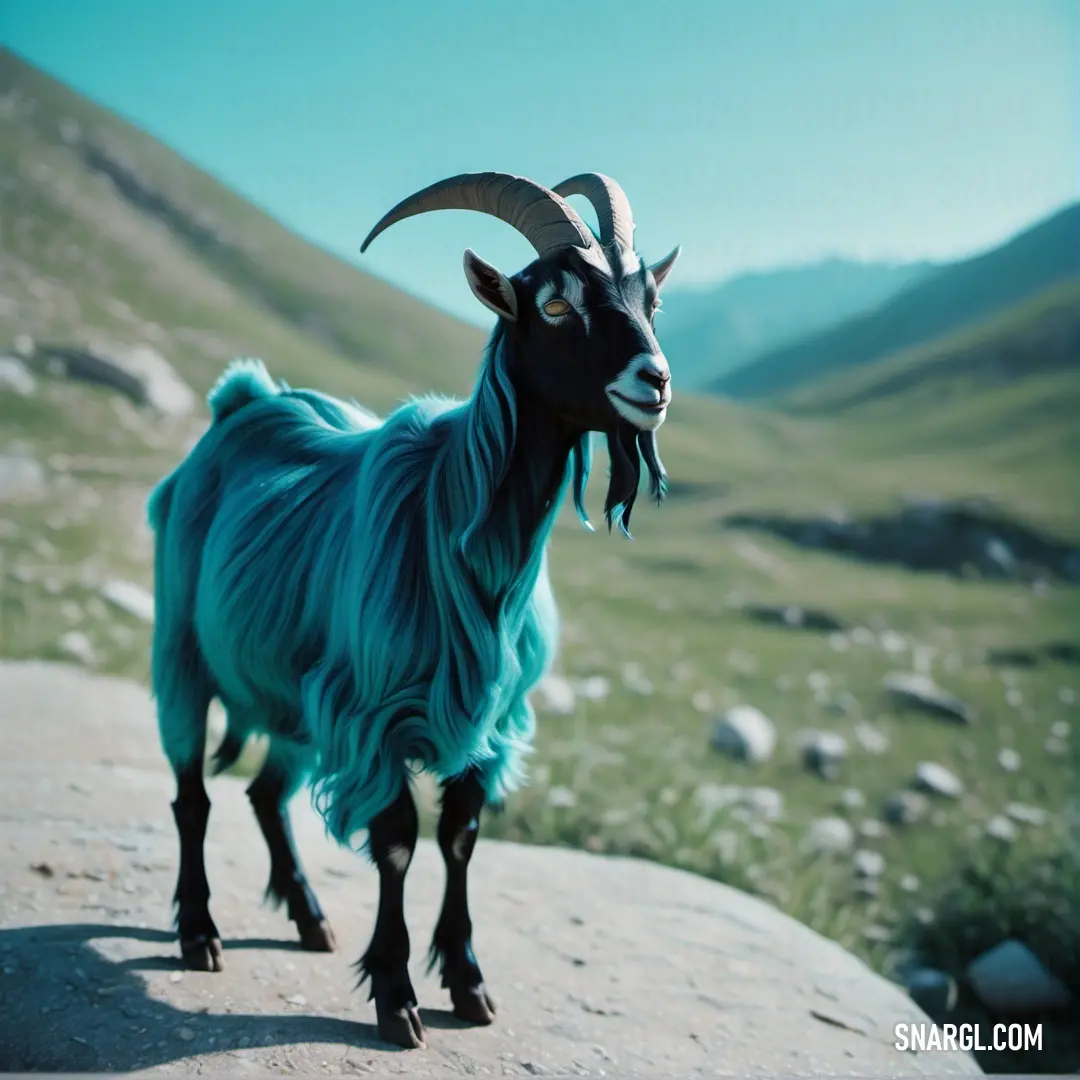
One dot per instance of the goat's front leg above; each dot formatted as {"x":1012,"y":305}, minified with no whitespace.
{"x":391,"y":842}
{"x":451,"y":946}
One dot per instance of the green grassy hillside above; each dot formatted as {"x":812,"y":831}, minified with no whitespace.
{"x":944,"y":302}
{"x":99,"y":221}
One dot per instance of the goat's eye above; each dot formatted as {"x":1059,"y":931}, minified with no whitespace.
{"x":556,"y":308}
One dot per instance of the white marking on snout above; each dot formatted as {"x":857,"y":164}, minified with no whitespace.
{"x":634,"y":399}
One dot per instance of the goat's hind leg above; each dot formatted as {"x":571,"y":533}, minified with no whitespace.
{"x":451,"y":945}
{"x":182,"y":723}
{"x":269,"y":793}
{"x":391,"y":842}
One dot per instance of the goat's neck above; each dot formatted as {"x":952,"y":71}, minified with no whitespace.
{"x":537,"y":473}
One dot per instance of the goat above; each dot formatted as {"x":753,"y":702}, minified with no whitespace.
{"x":373,"y":593}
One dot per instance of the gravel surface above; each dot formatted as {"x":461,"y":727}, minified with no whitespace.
{"x":599,"y":966}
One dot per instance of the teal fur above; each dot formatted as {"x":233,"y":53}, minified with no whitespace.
{"x":352,"y":586}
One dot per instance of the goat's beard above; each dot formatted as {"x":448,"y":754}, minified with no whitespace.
{"x":627,"y":448}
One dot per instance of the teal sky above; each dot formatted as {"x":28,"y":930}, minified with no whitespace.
{"x":752,"y":132}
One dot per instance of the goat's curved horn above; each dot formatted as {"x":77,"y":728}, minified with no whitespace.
{"x":545,"y":219}
{"x":610,"y":203}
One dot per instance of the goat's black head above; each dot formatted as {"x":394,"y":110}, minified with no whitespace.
{"x":580,"y":317}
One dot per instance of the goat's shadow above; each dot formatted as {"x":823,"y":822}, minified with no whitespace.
{"x":64,"y":1007}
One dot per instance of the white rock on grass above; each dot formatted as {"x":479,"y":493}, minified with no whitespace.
{"x":868,"y":864}
{"x":829,"y":836}
{"x":562,"y":798}
{"x":557,"y":694}
{"x":824,"y":752}
{"x":936,"y":779}
{"x":871,"y":739}
{"x":593,"y":688}
{"x":635,"y":679}
{"x":905,"y":808}
{"x":1026,"y":815}
{"x":77,"y":646}
{"x":16,"y":377}
{"x":759,"y":803}
{"x":745,"y":733}
{"x":1002,"y":829}
{"x":1008,"y":760}
{"x":129,"y":597}
{"x":1011,"y":980}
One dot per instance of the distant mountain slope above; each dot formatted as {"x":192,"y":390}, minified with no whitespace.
{"x":707,"y":332}
{"x":94,"y":209}
{"x":946,"y":301}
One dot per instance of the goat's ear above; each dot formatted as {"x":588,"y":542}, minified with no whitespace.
{"x":661,"y":269}
{"x":491,"y":287}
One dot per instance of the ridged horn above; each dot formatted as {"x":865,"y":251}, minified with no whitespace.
{"x":612,"y":207}
{"x":545,"y":219}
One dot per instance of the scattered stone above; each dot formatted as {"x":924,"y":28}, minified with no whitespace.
{"x":933,"y":991}
{"x":140,"y":373}
{"x":936,"y":779}
{"x":745,"y":733}
{"x":702,"y":701}
{"x":562,"y":798}
{"x":920,"y":691}
{"x":1011,"y":980}
{"x":1026,"y":815}
{"x":15,"y":376}
{"x":794,"y":617}
{"x":829,"y":836}
{"x":846,"y":703}
{"x":20,"y":476}
{"x":1060,"y":729}
{"x":635,"y":679}
{"x":77,"y":646}
{"x":593,"y":688}
{"x":185,"y":1033}
{"x":868,"y":864}
{"x":129,"y":597}
{"x":760,"y":803}
{"x":1009,"y":760}
{"x":1001,"y":828}
{"x":852,"y":799}
{"x":557,"y":694}
{"x":905,"y":808}
{"x":892,"y":642}
{"x":910,"y":883}
{"x":1056,"y":747}
{"x":871,"y":829}
{"x":870,"y":738}
{"x":824,"y":753}
{"x":1067,"y":695}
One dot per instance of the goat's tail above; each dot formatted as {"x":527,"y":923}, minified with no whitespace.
{"x":243,"y":381}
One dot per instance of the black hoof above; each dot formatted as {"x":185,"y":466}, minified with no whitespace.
{"x":317,"y":937}
{"x":202,"y":953}
{"x":402,"y":1027}
{"x":473,"y":1004}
